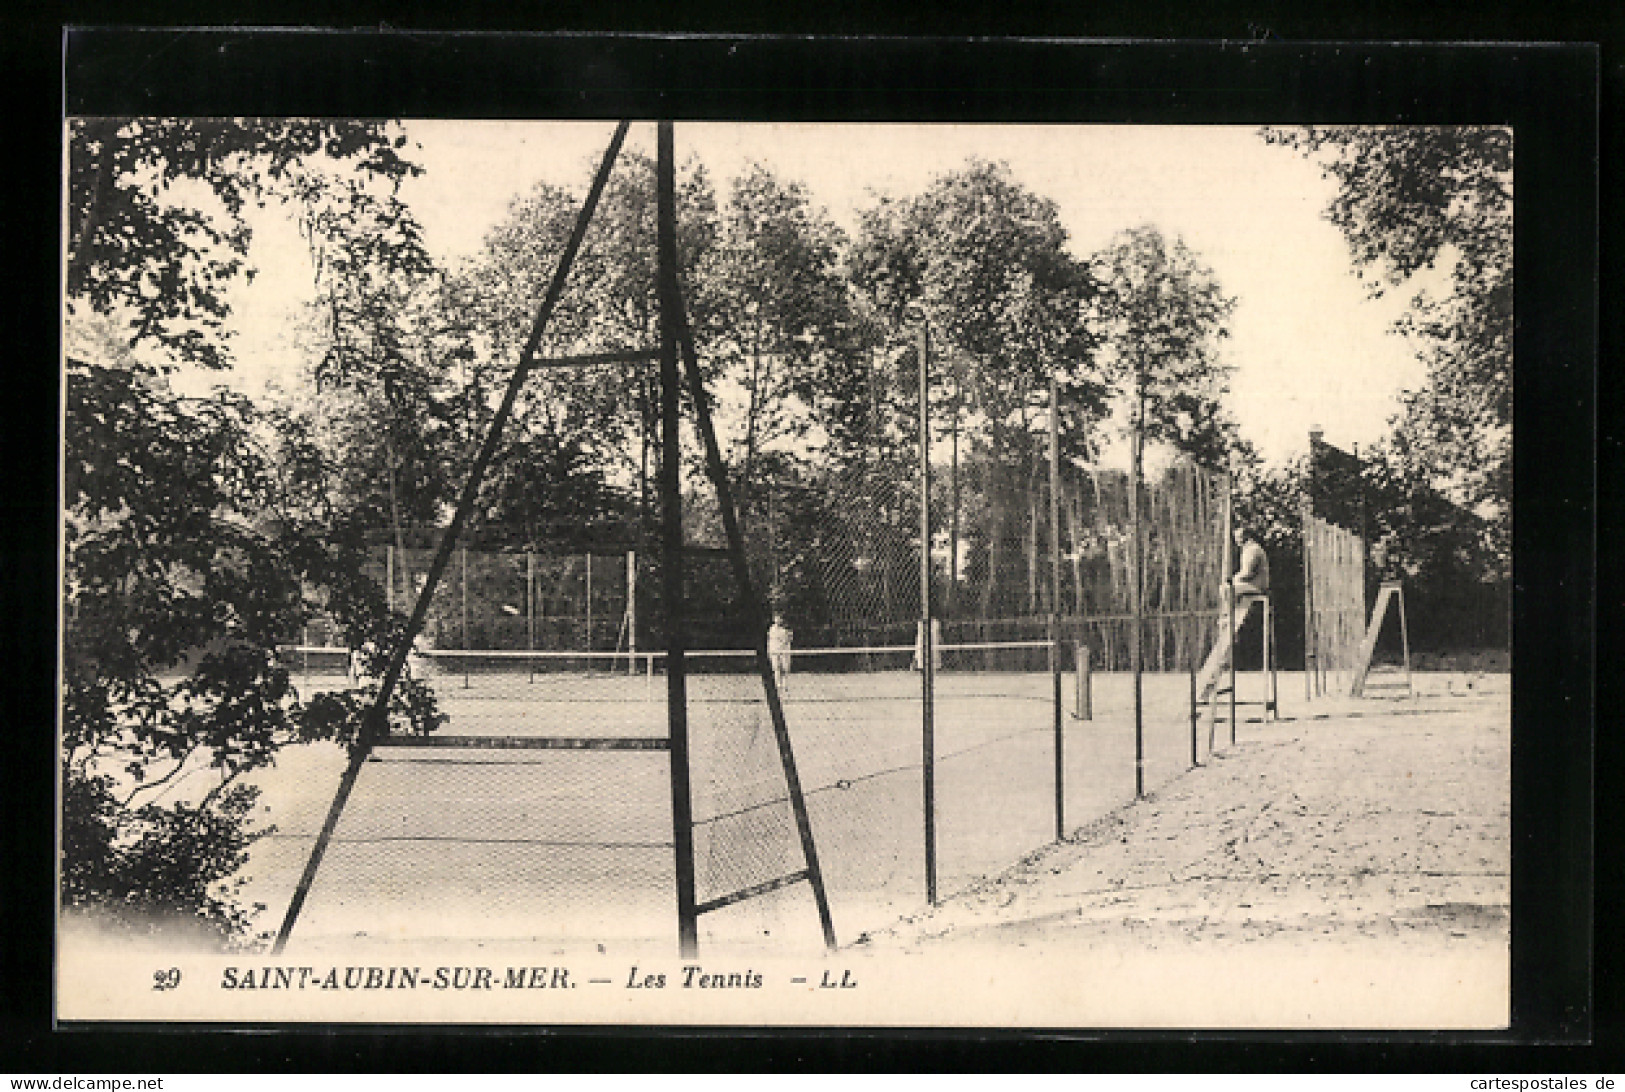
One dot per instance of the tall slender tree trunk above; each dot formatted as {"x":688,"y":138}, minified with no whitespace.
{"x":1074,"y":521}
{"x":403,"y":566}
{"x":953,"y":505}
{"x":1033,"y":604}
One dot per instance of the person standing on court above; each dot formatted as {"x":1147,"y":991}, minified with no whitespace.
{"x":778,"y":648}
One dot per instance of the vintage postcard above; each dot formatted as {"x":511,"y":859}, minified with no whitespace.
{"x":561,"y":572}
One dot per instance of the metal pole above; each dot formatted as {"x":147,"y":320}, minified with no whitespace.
{"x":1269,"y":661}
{"x":1194,"y":624}
{"x":375,"y":720}
{"x":589,"y":602}
{"x":1055,"y":598}
{"x":672,"y":543}
{"x":928,"y":680}
{"x":530,"y":608}
{"x":1135,"y":591}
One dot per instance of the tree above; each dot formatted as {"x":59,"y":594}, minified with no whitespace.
{"x":606,"y":414}
{"x":776,"y":278}
{"x":190,"y":553}
{"x":1410,"y":199}
{"x":143,"y":246}
{"x":1161,"y":316}
{"x":377,"y":393}
{"x":987,"y":261}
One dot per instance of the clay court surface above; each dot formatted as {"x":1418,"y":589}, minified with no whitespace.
{"x":1379,"y":822}
{"x":1345,"y":866}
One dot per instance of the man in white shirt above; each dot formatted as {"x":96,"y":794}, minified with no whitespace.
{"x":1252,"y":577}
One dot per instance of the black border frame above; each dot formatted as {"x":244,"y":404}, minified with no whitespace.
{"x":1548,"y":93}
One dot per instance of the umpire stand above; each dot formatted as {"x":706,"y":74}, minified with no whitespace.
{"x":1239,"y":609}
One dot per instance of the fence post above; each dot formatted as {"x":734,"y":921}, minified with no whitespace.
{"x":1085,"y":704}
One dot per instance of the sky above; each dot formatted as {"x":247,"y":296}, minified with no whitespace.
{"x":1308,"y":346}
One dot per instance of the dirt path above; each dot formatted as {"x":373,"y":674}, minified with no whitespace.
{"x":1388,"y":827}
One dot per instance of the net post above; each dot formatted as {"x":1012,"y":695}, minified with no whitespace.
{"x":1085,"y":682}
{"x":530,"y":608}
{"x":672,"y":542}
{"x":589,"y":601}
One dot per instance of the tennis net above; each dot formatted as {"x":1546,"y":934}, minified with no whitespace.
{"x":487,"y":685}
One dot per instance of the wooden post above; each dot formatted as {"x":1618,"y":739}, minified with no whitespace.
{"x":1405,"y":641}
{"x":1271,"y":696}
{"x":589,"y":602}
{"x":530,"y":608}
{"x":1086,"y":698}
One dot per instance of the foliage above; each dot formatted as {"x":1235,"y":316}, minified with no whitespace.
{"x":775,"y":275}
{"x":138,"y":250}
{"x":603,"y":416}
{"x":187,"y":558}
{"x":986,"y":263}
{"x":1409,"y":199}
{"x":1161,"y":316}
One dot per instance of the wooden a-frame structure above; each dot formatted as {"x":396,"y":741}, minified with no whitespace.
{"x":675,"y":337}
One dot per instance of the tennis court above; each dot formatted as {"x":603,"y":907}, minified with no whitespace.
{"x":574,"y":845}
